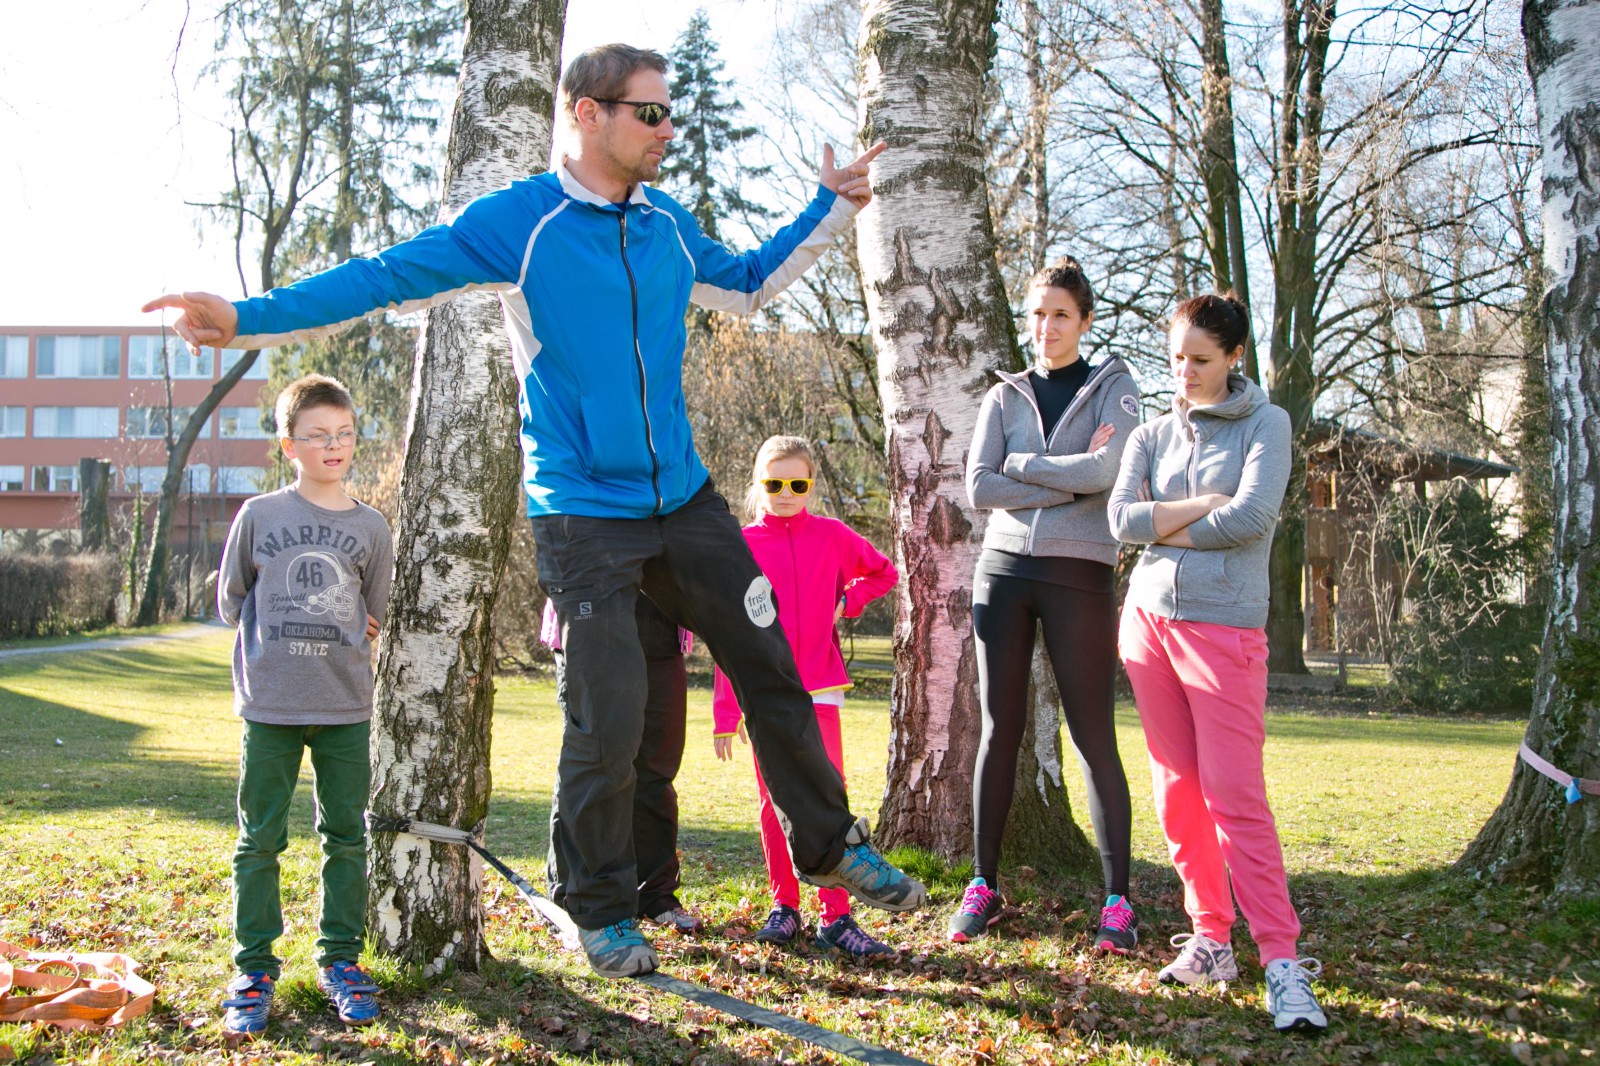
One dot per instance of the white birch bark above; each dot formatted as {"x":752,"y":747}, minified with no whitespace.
{"x":941,"y":325}
{"x":1535,"y":834}
{"x":460,"y":494}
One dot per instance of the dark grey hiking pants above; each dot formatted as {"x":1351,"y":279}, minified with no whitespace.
{"x":655,"y":799}
{"x":694,"y":565}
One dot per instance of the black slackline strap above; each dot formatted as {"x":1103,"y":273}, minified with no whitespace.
{"x":562,"y":923}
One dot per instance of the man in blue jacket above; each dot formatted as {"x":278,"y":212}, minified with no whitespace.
{"x":595,"y":271}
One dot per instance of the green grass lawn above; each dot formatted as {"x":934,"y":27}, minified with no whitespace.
{"x":117,"y":771}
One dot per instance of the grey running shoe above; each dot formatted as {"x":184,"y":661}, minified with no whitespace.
{"x":679,"y":919}
{"x":869,"y":876}
{"x":1290,"y":1000}
{"x":980,"y":908}
{"x":618,"y":950}
{"x":1202,"y":961}
{"x":1119,"y":927}
{"x":783,"y":924}
{"x":847,"y":938}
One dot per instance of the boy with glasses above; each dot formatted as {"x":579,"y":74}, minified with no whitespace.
{"x":595,"y":271}
{"x":305,"y":578}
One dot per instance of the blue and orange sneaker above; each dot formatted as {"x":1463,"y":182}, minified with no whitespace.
{"x":246,"y":1005}
{"x":353,"y":992}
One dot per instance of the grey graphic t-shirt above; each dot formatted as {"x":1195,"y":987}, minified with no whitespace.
{"x":298,"y":581}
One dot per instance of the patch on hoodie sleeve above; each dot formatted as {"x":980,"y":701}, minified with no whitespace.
{"x":1130,"y":405}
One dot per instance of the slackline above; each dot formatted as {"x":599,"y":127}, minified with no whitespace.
{"x":562,"y":923}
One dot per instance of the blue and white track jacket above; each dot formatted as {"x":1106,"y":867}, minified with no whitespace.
{"x":594,"y":295}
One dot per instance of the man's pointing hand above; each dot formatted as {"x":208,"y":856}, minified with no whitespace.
{"x":206,"y":319}
{"x":853,"y":179}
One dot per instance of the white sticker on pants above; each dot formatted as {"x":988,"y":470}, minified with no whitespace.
{"x":758,"y":603}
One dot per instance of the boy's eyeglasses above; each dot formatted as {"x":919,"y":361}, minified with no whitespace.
{"x":647,"y":111}
{"x":797,"y":485}
{"x":325,"y":442}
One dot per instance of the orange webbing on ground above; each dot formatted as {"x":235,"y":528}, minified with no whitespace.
{"x":90,"y":990}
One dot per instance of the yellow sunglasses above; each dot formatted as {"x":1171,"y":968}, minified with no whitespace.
{"x":797,"y":485}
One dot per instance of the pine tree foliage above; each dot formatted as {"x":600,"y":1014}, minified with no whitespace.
{"x":703,"y":167}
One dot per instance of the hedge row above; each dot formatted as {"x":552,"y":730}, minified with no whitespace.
{"x":42,"y":595}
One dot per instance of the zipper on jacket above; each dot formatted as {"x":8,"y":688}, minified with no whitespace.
{"x":794,"y":588}
{"x":1189,"y":480}
{"x":638,"y":357}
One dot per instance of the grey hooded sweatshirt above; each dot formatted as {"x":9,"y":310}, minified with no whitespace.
{"x":1048,"y":497}
{"x":1239,"y":447}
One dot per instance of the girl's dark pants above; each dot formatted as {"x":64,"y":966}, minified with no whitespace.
{"x":693,"y":564}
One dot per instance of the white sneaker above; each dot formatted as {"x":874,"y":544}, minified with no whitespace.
{"x":1202,"y":961}
{"x":1289,"y":998}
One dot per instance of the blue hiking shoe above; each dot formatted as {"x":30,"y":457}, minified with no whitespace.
{"x":618,"y":950}
{"x":869,"y":876}
{"x":847,"y":938}
{"x":353,"y":992}
{"x":782,"y":925}
{"x":246,"y":1005}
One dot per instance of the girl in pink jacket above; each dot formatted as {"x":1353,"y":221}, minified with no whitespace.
{"x":820,"y":570}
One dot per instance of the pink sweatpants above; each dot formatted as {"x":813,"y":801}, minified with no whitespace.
{"x":780,"y":865}
{"x":1201,"y":689}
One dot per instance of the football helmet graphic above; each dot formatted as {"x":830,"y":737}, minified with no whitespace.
{"x":318,"y":585}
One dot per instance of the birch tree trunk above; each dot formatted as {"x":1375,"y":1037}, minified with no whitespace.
{"x":941,"y":326}
{"x":460,"y":494}
{"x":1535,"y":834}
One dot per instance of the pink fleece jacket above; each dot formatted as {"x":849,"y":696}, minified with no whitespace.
{"x":812,"y":562}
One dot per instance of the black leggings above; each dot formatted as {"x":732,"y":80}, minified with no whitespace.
{"x":1080,"y":635}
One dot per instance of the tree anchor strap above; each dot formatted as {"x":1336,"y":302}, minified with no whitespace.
{"x":89,"y":990}
{"x":1575,"y":787}
{"x":562,"y":922}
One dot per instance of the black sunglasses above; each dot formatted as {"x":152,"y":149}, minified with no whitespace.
{"x":647,"y":111}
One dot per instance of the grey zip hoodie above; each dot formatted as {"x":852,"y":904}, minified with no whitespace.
{"x":1239,"y":447}
{"x":1049,"y":497}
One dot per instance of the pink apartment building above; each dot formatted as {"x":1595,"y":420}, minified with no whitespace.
{"x":70,"y":393}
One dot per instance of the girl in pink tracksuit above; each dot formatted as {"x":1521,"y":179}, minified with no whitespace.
{"x":820,"y":570}
{"x":1201,"y":487}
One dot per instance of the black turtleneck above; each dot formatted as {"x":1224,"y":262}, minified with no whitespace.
{"x":1056,"y":389}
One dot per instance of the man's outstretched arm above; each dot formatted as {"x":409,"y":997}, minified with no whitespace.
{"x":478,"y":250}
{"x":740,"y":283}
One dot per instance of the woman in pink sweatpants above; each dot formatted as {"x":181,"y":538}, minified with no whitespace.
{"x":1201,"y":487}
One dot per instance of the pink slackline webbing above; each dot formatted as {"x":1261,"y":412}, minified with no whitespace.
{"x":1576,"y":787}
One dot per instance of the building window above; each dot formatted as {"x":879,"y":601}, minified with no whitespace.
{"x":258,"y":369}
{"x":241,"y":423}
{"x":142,"y":478}
{"x":151,"y":422}
{"x":55,"y":479}
{"x":147,"y":479}
{"x":13,"y":357}
{"x":86,"y":423}
{"x":241,"y":480}
{"x":13,"y":478}
{"x":78,"y":357}
{"x":13,"y":421}
{"x":150,"y":357}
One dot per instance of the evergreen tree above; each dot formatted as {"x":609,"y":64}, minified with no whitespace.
{"x":704,"y":167}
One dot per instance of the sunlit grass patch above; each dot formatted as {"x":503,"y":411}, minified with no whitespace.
{"x":120,"y":837}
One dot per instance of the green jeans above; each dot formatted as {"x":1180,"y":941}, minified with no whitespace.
{"x":269,"y":763}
